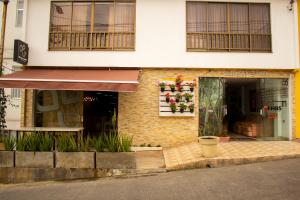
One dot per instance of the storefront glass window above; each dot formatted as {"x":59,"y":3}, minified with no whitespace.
{"x":58,"y":108}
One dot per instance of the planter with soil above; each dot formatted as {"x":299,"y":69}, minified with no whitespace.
{"x":209,"y":146}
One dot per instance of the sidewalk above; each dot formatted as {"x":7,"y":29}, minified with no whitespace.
{"x":190,"y":156}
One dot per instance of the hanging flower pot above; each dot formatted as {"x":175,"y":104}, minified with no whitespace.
{"x":182,"y":107}
{"x":178,"y":97}
{"x":172,"y":87}
{"x":162,"y":86}
{"x":167,"y":97}
{"x":172,"y":105}
{"x":191,"y":107}
{"x":188,"y":97}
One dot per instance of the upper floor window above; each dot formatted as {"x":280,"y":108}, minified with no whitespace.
{"x":213,"y":26}
{"x":20,"y":11}
{"x":94,"y":25}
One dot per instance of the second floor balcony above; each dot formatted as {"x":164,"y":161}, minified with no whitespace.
{"x":108,"y":25}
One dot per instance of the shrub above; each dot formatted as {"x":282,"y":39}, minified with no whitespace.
{"x":9,"y":143}
{"x":66,"y":144}
{"x":112,"y":142}
{"x":99,"y":143}
{"x":126,"y":143}
{"x":85,"y":144}
{"x":45,"y":143}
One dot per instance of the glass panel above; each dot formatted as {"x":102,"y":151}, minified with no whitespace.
{"x":217,"y":17}
{"x":104,"y":16}
{"x":58,"y":108}
{"x":196,"y":17}
{"x":61,"y":17}
{"x":211,"y":91}
{"x":275,"y":108}
{"x":81,"y":19}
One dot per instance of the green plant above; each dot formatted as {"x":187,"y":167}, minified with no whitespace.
{"x":172,"y":106}
{"x":126,"y":143}
{"x":178,"y":97}
{"x":188,"y":97}
{"x":191,"y":107}
{"x":45,"y":143}
{"x":66,"y":144}
{"x":149,"y":145}
{"x":182,"y":106}
{"x":162,"y":86}
{"x":9,"y":143}
{"x":99,"y":143}
{"x":84,"y":145}
{"x":143,"y":145}
{"x":112,"y":142}
{"x":172,"y":87}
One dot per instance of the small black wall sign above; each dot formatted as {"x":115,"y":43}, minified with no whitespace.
{"x":21,"y":52}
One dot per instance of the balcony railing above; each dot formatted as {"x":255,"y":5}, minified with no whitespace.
{"x":92,"y":41}
{"x":198,"y":41}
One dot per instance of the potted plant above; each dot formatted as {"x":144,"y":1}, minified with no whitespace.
{"x":188,"y":97}
{"x":172,"y":87}
{"x":162,"y":86}
{"x":167,"y":97}
{"x":209,"y":146}
{"x":178,"y":80}
{"x":34,"y":151}
{"x":172,"y":106}
{"x":178,"y":97}
{"x":182,"y":107}
{"x":224,"y":137}
{"x":191,"y":107}
{"x":68,"y":156}
{"x":192,"y":85}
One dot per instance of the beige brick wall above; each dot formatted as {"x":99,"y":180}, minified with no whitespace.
{"x":139,"y":111}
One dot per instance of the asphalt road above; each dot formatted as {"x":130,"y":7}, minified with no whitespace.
{"x":271,"y":180}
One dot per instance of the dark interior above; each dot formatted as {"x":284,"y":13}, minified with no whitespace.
{"x":98,"y":109}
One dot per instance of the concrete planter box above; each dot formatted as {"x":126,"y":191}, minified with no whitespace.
{"x":118,"y":160}
{"x":31,"y":159}
{"x":70,"y":160}
{"x":7,"y":158}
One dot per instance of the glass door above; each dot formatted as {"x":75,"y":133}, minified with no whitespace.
{"x":274,"y":108}
{"x":211,"y":109}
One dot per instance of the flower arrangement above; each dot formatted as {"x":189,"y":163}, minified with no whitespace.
{"x":172,"y":105}
{"x":191,"y":107}
{"x":188,"y":97}
{"x":167,"y":97}
{"x":178,"y":97}
{"x":182,"y":107}
{"x":178,"y":79}
{"x":162,"y":86}
{"x":172,"y":87}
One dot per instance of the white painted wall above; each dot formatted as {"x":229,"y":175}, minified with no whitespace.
{"x":161,"y":41}
{"x":13,"y":111}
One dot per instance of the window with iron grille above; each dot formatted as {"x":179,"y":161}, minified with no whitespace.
{"x":15,"y":93}
{"x":92,"y":25}
{"x":19,"y":13}
{"x":214,"y":26}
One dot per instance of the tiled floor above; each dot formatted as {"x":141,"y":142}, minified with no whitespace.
{"x":189,"y":155}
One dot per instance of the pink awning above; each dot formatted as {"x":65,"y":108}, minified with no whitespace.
{"x":73,"y":79}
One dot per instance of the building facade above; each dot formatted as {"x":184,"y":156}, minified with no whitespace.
{"x":232,"y":66}
{"x":15,"y":29}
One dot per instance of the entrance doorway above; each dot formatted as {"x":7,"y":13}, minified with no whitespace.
{"x":245,"y":109}
{"x":98,"y":110}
